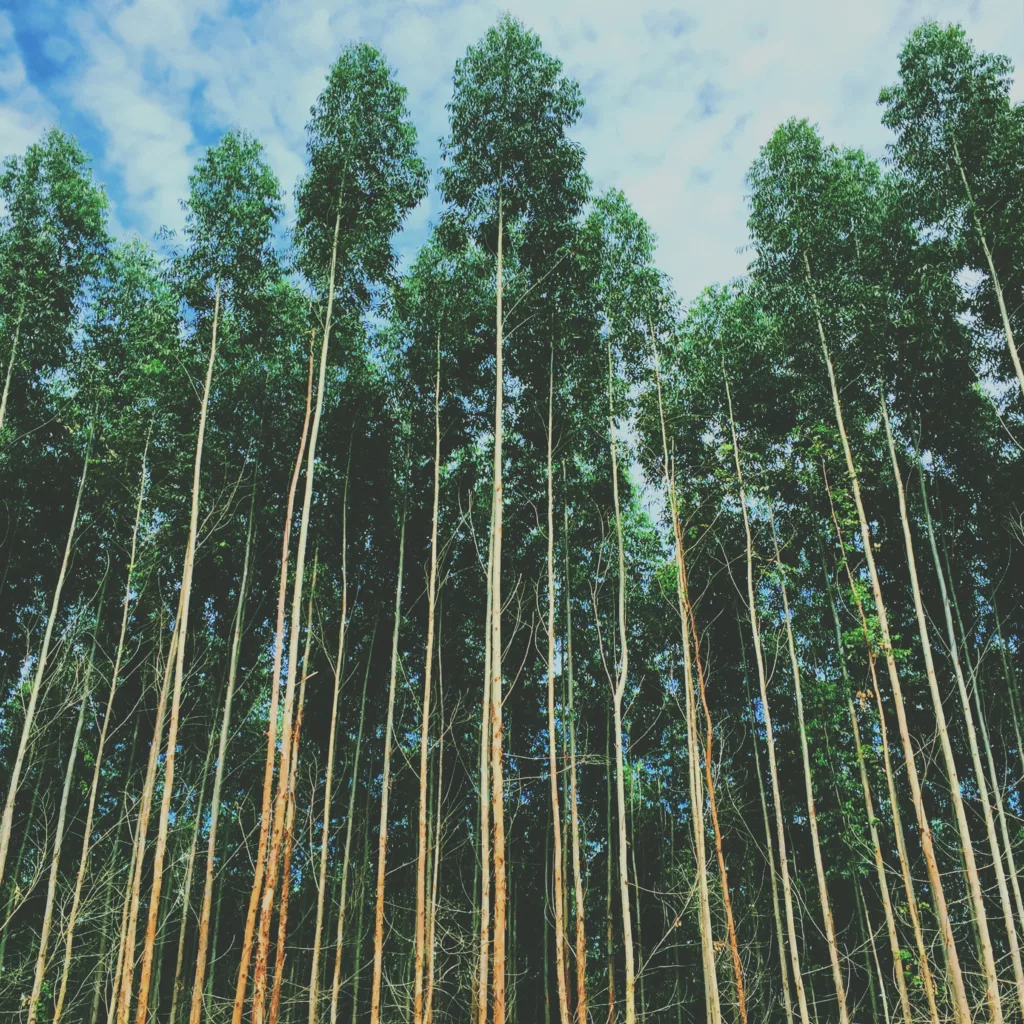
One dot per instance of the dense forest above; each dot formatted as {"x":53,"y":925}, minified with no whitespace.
{"x":492,"y":634}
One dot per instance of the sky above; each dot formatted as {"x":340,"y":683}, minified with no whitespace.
{"x":678,"y":97}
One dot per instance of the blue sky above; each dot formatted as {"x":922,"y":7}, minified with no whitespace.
{"x":679,"y":97}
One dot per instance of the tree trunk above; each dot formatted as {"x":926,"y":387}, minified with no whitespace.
{"x":428,"y":1013}
{"x":608,"y":911}
{"x":275,"y":693}
{"x":956,"y":795}
{"x":259,"y":983}
{"x":755,"y":631}
{"x":196,"y":1009}
{"x":483,"y":968}
{"x":179,"y":676}
{"x":812,"y":815}
{"x":83,"y":863}
{"x":382,"y":841}
{"x":577,"y":871}
{"x":343,"y":904}
{"x":497,"y":770}
{"x":617,"y":694}
{"x":962,"y":1011}
{"x":51,"y":886}
{"x":7,"y":822}
{"x":421,"y":853}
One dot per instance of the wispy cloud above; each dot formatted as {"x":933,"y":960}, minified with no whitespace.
{"x":678,"y":98}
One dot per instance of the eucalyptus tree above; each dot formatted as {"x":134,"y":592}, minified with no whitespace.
{"x":960,"y":145}
{"x":513,"y":182}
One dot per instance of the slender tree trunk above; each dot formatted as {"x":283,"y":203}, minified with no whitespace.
{"x":259,"y":983}
{"x":780,"y":936}
{"x":497,"y":770}
{"x":956,"y":796}
{"x":382,"y":842}
{"x":556,"y":814}
{"x":186,"y":889}
{"x":51,"y":887}
{"x":343,"y":904}
{"x":927,"y":979}
{"x":428,"y":1013}
{"x":363,"y":887}
{"x":617,"y":694}
{"x":314,"y":968}
{"x":134,"y":893}
{"x":83,"y":863}
{"x":483,"y":968}
{"x":961,"y":1006}
{"x":7,"y":821}
{"x":421,"y":855}
{"x":755,"y":631}
{"x":812,"y":815}
{"x":972,"y":737}
{"x":196,"y":1009}
{"x":609,"y":915}
{"x":10,"y":371}
{"x":577,"y":871}
{"x":275,"y":694}
{"x":179,"y":675}
{"x":997,"y":287}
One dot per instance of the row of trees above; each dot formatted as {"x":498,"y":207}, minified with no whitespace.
{"x":501,"y":637}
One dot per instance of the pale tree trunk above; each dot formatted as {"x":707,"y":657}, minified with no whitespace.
{"x":346,"y":857}
{"x":996,"y":285}
{"x":556,"y":814}
{"x":812,"y":815}
{"x":275,"y":695}
{"x":956,"y":796}
{"x":755,"y":631}
{"x":7,"y":822}
{"x":314,"y":968}
{"x":51,"y":886}
{"x":196,"y":1009}
{"x":780,"y":936}
{"x":10,"y":371}
{"x":712,"y":999}
{"x":609,"y":916}
{"x":961,"y":1005}
{"x":927,"y":979}
{"x":483,"y":958}
{"x":497,"y":770}
{"x":259,"y":983}
{"x":986,"y":800}
{"x":145,"y":973}
{"x":133,"y":894}
{"x":577,"y":870}
{"x":382,"y":841}
{"x":428,"y":1012}
{"x":421,"y":854}
{"x":186,"y":889}
{"x":618,"y":693}
{"x":289,"y":828}
{"x":83,"y":863}
{"x":364,"y":876}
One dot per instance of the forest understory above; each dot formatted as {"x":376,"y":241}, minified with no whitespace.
{"x":493,"y":635}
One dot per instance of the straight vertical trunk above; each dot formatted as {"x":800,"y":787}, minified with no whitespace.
{"x":51,"y":886}
{"x":196,"y":1009}
{"x":556,"y":814}
{"x":83,"y":863}
{"x":275,"y":695}
{"x":617,"y":694}
{"x":608,"y":911}
{"x":421,"y":853}
{"x":382,"y":841}
{"x":755,"y":631}
{"x":483,"y":957}
{"x":577,"y":871}
{"x":281,"y":801}
{"x":179,"y":676}
{"x":7,"y":822}
{"x":428,"y":1013}
{"x":956,"y":796}
{"x":343,"y":903}
{"x":961,"y":1006}
{"x":812,"y":815}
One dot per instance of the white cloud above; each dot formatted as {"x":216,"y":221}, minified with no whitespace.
{"x":678,"y":98}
